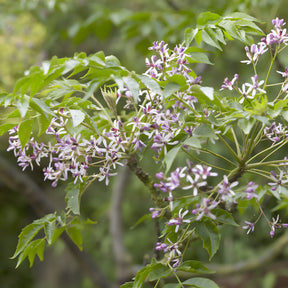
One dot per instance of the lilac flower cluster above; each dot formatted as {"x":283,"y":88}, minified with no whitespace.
{"x":248,"y":90}
{"x":191,"y":177}
{"x":186,"y":178}
{"x":71,"y":153}
{"x":156,"y":122}
{"x":276,"y":133}
{"x":274,"y":225}
{"x":277,"y":36}
{"x":173,"y":249}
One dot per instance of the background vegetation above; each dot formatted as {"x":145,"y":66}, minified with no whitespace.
{"x":34,"y":30}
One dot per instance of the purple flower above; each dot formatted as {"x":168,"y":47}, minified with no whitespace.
{"x":194,"y":183}
{"x":225,"y":189}
{"x":278,"y":181}
{"x":155,"y":212}
{"x":160,"y":175}
{"x":105,"y":174}
{"x":250,"y":227}
{"x":250,"y":190}
{"x":251,"y":88}
{"x":254,"y":53}
{"x":205,"y":209}
{"x":274,"y":226}
{"x":227,"y":84}
{"x":162,"y":185}
{"x":179,"y":219}
{"x":204,"y":171}
{"x":278,"y":23}
{"x":284,"y":74}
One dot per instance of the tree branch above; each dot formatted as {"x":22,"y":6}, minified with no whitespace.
{"x":261,"y":260}
{"x":123,"y":262}
{"x":146,"y":180}
{"x":17,"y":181}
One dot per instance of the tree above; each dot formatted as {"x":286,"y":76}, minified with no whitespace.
{"x":99,"y":116}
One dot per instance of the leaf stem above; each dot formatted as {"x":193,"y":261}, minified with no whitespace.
{"x":229,"y":148}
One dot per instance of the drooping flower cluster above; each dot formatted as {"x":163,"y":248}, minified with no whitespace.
{"x":277,"y":36}
{"x":189,"y":178}
{"x":186,"y":178}
{"x":71,"y":154}
{"x":156,"y":122}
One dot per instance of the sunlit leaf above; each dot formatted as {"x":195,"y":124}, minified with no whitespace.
{"x":24,"y":131}
{"x":77,"y":117}
{"x":193,"y":266}
{"x":200,"y":283}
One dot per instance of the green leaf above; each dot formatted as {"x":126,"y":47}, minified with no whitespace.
{"x":193,"y":142}
{"x":40,"y":107}
{"x":246,"y":124}
{"x":74,"y":232}
{"x":36,"y":248}
{"x":241,"y":15}
{"x":200,"y":283}
{"x":208,"y":91}
{"x":159,"y":271}
{"x":22,"y":82}
{"x":179,"y":79}
{"x":22,"y":104}
{"x":209,"y":233}
{"x":24,"y":131}
{"x":224,"y":217}
{"x":199,"y":58}
{"x":77,"y":117}
{"x":150,"y":83}
{"x":127,"y":285}
{"x":57,"y":233}
{"x":230,"y":28}
{"x":26,"y":235}
{"x":190,"y":35}
{"x":204,"y":130}
{"x":36,"y":83}
{"x":49,"y":229}
{"x":170,"y":88}
{"x":206,"y":17}
{"x":72,"y":199}
{"x":14,"y":114}
{"x":218,"y":33}
{"x":43,"y":124}
{"x":98,"y":58}
{"x":133,"y":86}
{"x":209,"y":37}
{"x":170,"y":157}
{"x":172,"y":285}
{"x":284,"y":114}
{"x":141,"y":276}
{"x":205,"y":95}
{"x":193,"y":266}
{"x":5,"y":128}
